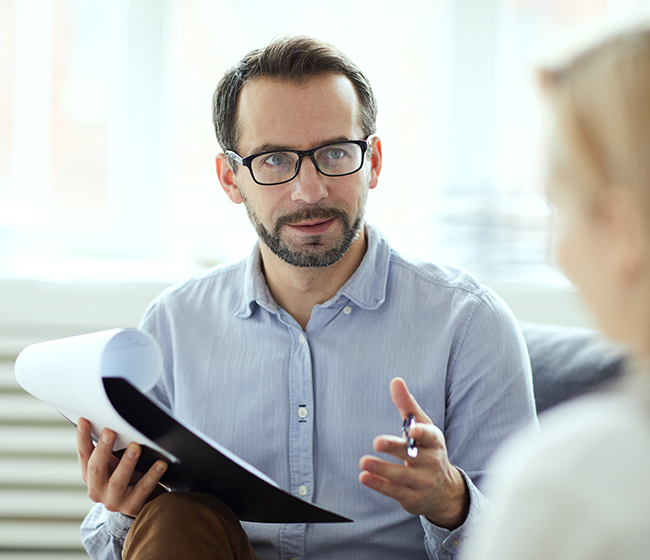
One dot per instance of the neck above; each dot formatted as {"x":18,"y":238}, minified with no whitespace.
{"x":297,"y":290}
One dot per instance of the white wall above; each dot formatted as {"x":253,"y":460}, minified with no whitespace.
{"x":33,"y":310}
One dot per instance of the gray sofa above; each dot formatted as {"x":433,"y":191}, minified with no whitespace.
{"x":569,"y":361}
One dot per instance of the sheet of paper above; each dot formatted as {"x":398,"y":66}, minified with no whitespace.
{"x":67,"y":374}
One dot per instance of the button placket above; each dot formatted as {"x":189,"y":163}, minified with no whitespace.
{"x":301,"y":436}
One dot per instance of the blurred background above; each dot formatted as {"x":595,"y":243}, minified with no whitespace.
{"x":108,"y":192}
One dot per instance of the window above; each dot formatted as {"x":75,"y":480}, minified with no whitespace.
{"x":107,"y":149}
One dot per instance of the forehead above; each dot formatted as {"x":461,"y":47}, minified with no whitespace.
{"x":296,"y":115}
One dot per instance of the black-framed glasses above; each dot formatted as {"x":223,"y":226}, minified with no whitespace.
{"x":335,"y":159}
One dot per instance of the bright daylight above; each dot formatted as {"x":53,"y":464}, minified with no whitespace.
{"x":409,"y":266}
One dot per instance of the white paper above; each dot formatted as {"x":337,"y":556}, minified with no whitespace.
{"x":67,"y":374}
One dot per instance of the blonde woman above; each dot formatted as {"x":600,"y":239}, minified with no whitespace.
{"x":582,"y":489}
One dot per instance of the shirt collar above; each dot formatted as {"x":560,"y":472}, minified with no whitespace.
{"x":256,"y":291}
{"x":366,"y":287}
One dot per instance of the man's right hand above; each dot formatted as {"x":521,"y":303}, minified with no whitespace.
{"x":115,"y":482}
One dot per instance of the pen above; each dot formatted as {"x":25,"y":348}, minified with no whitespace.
{"x":411,"y":446}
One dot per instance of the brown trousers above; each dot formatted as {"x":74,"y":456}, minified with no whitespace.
{"x":187,"y":525}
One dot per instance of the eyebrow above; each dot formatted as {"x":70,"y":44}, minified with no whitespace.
{"x":268,"y":147}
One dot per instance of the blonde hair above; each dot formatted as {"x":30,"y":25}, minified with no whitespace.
{"x":601,"y":97}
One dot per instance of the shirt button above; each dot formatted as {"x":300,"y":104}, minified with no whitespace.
{"x":303,"y":490}
{"x":301,"y":338}
{"x":347,"y":310}
{"x":302,"y":412}
{"x":455,"y":543}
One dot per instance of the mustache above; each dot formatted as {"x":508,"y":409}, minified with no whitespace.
{"x":311,"y":213}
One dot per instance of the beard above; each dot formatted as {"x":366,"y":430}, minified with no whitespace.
{"x":314,"y":253}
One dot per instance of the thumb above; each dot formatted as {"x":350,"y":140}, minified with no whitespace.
{"x":405,"y":402}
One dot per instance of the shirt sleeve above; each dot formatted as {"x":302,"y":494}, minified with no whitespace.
{"x":443,"y":544}
{"x":103,"y":533}
{"x":489,"y":397}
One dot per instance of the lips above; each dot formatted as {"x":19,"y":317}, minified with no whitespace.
{"x":313,"y":226}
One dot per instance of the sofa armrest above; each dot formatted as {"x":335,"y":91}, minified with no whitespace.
{"x":569,"y":361}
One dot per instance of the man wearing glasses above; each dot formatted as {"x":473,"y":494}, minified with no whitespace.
{"x":290,"y":358}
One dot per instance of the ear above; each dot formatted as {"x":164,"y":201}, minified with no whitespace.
{"x":624,"y":234}
{"x":227,"y":178}
{"x":375,"y":161}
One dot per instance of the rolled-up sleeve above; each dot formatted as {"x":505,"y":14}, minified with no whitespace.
{"x":103,"y":533}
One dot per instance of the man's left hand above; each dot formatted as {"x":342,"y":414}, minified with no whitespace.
{"x":425,"y":485}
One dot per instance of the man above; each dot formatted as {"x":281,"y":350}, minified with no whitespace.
{"x":287,"y":358}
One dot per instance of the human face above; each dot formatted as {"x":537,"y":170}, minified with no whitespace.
{"x":313,"y":220}
{"x":583,"y":243}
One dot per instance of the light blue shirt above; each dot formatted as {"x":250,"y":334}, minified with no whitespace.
{"x":304,"y":406}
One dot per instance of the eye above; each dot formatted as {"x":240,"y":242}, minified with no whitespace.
{"x":335,"y":153}
{"x":275,"y":159}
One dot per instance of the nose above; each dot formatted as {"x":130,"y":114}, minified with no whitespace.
{"x":308,"y":186}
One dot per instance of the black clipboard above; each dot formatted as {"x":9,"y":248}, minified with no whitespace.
{"x":203,"y":468}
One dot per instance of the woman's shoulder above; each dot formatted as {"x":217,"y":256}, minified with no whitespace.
{"x":592,"y":452}
{"x":603,"y":425}
{"x":577,"y":489}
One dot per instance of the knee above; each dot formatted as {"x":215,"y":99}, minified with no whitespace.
{"x":186,"y":525}
{"x":170,"y":502}
{"x":191,"y":508}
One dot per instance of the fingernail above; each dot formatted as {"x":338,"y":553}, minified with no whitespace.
{"x":131,"y":453}
{"x":161,"y":467}
{"x":370,"y":482}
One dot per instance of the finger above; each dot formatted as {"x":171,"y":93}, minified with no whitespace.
{"x":405,"y":402}
{"x":428,"y":436}
{"x":143,"y":489}
{"x":385,"y":487}
{"x":85,"y":446}
{"x":396,"y":446}
{"x":397,"y":491}
{"x":392,"y":472}
{"x":97,"y":470}
{"x":120,"y":480}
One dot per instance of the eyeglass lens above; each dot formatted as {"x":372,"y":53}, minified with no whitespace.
{"x":334,"y":159}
